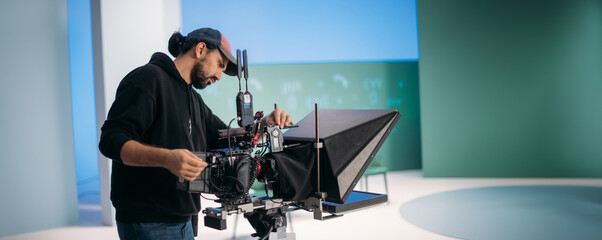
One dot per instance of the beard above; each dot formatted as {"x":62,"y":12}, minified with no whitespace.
{"x":199,"y":77}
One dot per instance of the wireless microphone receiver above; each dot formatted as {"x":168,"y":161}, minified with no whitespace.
{"x":244,"y":101}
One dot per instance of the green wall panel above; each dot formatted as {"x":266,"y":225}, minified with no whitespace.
{"x":511,"y":88}
{"x":295,"y":88}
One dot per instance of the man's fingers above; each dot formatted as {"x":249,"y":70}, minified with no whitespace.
{"x":191,"y":173}
{"x":190,"y":154}
{"x":289,"y":120}
{"x":189,"y":176}
{"x":194,"y":160}
{"x":192,"y":169}
{"x":285,"y":120}
{"x":194,"y":164}
{"x":276,"y":115}
{"x":186,"y":165}
{"x":280,"y":118}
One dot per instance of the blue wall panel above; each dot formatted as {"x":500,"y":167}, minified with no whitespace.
{"x":84,"y":112}
{"x":314,"y":31}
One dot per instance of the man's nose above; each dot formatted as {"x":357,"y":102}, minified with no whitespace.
{"x":218,"y":75}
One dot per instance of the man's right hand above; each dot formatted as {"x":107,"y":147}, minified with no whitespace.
{"x":184,"y":164}
{"x":180,"y":162}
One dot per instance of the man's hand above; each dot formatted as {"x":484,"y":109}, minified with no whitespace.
{"x":278,"y":117}
{"x":180,"y":162}
{"x":184,"y":164}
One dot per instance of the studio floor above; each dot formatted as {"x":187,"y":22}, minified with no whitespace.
{"x":380,"y":222}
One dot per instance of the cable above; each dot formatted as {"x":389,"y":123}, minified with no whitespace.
{"x":265,"y":148}
{"x":229,"y":141}
{"x":213,"y":185}
{"x":267,"y":194}
{"x":208,"y":198}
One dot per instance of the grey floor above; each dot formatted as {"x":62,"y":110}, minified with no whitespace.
{"x":381,"y":222}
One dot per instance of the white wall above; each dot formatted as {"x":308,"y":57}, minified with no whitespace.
{"x":37,"y":168}
{"x":127,"y":33}
{"x":132,"y":31}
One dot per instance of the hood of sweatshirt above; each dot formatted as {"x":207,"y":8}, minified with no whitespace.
{"x":162,"y":60}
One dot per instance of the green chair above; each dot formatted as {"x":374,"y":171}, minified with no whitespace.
{"x":376,"y":168}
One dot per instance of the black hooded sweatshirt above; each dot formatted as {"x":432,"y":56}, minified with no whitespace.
{"x":156,"y":107}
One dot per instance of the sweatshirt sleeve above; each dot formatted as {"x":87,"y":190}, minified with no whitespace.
{"x":130,"y":115}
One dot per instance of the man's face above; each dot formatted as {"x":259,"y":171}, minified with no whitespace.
{"x":209,"y":69}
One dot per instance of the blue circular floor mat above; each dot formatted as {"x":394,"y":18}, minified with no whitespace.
{"x":511,"y":212}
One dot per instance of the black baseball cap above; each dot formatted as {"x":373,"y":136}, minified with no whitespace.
{"x":214,"y":37}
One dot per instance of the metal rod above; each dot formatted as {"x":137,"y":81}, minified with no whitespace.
{"x":318,"y":144}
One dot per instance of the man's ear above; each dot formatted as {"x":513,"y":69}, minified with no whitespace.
{"x":200,"y":50}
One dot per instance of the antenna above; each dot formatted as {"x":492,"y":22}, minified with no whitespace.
{"x":246,"y":66}
{"x":239,"y":68}
{"x":244,"y":101}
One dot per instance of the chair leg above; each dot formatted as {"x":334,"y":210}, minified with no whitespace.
{"x":386,"y":187}
{"x":361,"y":182}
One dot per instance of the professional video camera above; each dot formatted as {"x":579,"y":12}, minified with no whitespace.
{"x":302,"y":168}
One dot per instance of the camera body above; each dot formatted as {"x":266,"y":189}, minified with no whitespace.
{"x":230,"y":173}
{"x":227,"y":177}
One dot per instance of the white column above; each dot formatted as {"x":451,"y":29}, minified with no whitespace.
{"x":126,"y":34}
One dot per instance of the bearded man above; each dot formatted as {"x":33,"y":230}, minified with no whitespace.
{"x":155,"y":123}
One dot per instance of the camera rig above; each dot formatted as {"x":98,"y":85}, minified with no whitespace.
{"x":290,"y":166}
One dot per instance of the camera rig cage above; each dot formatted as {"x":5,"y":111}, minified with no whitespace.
{"x":290,"y":166}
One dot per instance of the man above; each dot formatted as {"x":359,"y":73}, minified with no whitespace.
{"x":157,"y":119}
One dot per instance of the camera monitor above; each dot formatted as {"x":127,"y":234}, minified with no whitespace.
{"x":351,"y":139}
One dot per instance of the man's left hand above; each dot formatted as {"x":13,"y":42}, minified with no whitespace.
{"x":278,"y":117}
